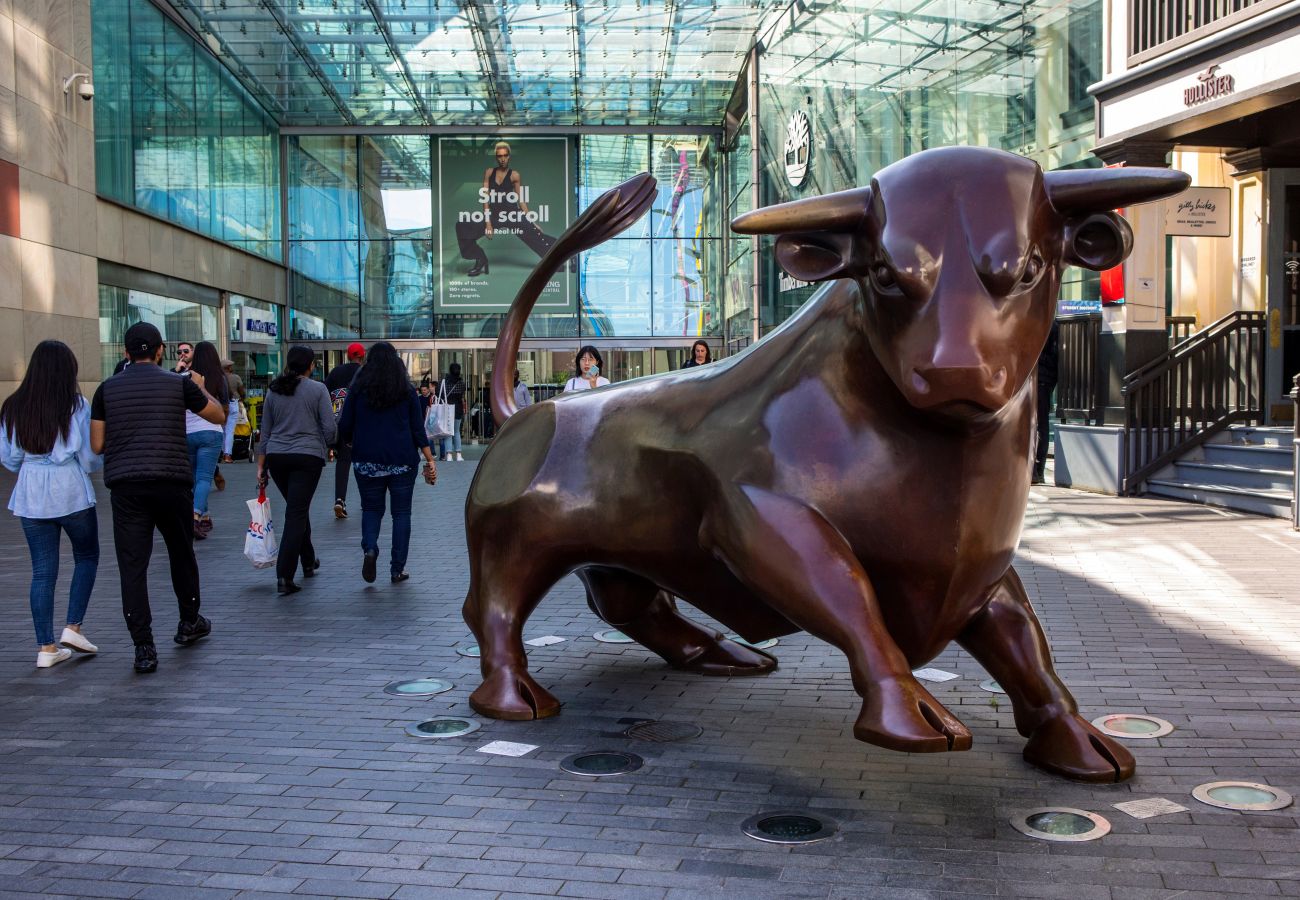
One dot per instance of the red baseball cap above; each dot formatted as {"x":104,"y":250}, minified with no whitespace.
{"x":356,"y":351}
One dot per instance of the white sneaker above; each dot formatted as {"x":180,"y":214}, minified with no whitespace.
{"x":77,"y":641}
{"x":45,"y":658}
{"x":447,"y":458}
{"x":459,"y":458}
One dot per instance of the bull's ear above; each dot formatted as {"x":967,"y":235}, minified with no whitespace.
{"x":1098,"y":242}
{"x":817,"y":256}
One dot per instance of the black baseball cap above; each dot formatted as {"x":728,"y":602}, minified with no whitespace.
{"x":142,"y":339}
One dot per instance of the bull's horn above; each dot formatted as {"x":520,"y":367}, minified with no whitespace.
{"x":1077,"y":191}
{"x":842,"y":211}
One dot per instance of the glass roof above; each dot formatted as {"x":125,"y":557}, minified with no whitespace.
{"x":484,"y":62}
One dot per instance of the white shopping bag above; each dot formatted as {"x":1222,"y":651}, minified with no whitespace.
{"x":440,"y":421}
{"x":261,"y":546}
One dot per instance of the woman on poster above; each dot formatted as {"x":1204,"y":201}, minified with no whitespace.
{"x":507,"y":216}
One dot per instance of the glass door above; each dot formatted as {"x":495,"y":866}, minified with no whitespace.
{"x":1283,"y":357}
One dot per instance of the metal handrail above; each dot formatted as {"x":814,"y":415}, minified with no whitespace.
{"x":1078,"y":386}
{"x":1180,"y":328}
{"x":1197,"y":388}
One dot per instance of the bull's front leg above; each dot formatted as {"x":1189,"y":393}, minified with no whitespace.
{"x":801,"y":566}
{"x":1006,"y":638}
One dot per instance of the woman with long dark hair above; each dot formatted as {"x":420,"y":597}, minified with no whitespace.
{"x":204,"y":438}
{"x":701,"y":355}
{"x":383,"y":420}
{"x":45,"y":438}
{"x":587,"y":364}
{"x":297,"y":428}
{"x":452,"y":390}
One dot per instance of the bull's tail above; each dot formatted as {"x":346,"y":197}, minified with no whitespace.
{"x":611,"y":213}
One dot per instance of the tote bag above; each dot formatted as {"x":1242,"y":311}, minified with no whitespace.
{"x":440,"y":421}
{"x":261,"y":545}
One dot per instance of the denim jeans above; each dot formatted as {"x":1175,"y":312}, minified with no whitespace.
{"x":205,"y":452}
{"x":43,"y":541}
{"x":450,"y":444}
{"x":373,"y":491}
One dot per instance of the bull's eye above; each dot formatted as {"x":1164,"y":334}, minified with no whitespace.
{"x":1033,"y":269}
{"x":883,"y":277}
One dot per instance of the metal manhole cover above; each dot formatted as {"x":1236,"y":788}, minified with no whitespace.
{"x":1242,"y":795}
{"x":760,"y":645}
{"x":442,"y":727}
{"x":1132,"y":725}
{"x":789,"y":827}
{"x":418,"y":687}
{"x":990,"y":685}
{"x":600,"y":763}
{"x":471,"y":650}
{"x":663,"y":732}
{"x":1061,"y":823}
{"x":613,"y":637}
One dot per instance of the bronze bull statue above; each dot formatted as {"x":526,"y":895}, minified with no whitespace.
{"x":861,"y":473}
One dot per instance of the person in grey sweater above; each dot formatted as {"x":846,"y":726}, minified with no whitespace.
{"x":297,"y":428}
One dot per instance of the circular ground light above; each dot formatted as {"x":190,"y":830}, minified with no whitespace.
{"x":442,"y":727}
{"x":663,"y":732}
{"x":1061,"y":823}
{"x":761,"y":645}
{"x":471,"y":650}
{"x":600,"y":763}
{"x":1132,"y":725}
{"x":990,"y":685}
{"x":1242,"y":795}
{"x":613,"y":637}
{"x":418,"y":687}
{"x":789,"y":827}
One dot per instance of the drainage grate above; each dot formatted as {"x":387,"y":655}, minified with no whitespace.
{"x":663,"y":732}
{"x":789,"y":827}
{"x":1132,"y":725}
{"x":1242,"y":795}
{"x":1061,"y":823}
{"x":613,"y":637}
{"x":442,"y":727}
{"x":600,"y":763}
{"x":418,"y":687}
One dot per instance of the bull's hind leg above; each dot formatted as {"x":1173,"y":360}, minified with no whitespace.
{"x":643,"y":612}
{"x":1006,"y":638}
{"x":506,"y":583}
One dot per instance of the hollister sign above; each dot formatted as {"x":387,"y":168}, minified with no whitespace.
{"x":1209,"y":86}
{"x":1199,"y":211}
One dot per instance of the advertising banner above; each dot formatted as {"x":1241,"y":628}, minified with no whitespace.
{"x":501,"y":205}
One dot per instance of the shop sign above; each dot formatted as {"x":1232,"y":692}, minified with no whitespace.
{"x":257,"y":326}
{"x":1199,"y":212}
{"x":798,"y":148}
{"x":1210,"y":85}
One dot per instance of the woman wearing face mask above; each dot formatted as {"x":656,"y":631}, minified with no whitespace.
{"x":588,"y":364}
{"x":700,"y":355}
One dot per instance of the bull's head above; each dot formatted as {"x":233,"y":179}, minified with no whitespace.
{"x":958,"y":253}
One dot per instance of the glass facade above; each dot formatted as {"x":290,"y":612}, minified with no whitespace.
{"x":177,"y":320}
{"x":177,"y":136}
{"x":256,"y":331}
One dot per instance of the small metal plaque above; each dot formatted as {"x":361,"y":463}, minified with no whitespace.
{"x":442,"y":727}
{"x":418,"y":687}
{"x":761,"y":645}
{"x":789,"y":827}
{"x":471,"y":650}
{"x":1147,"y":809}
{"x":663,"y":732}
{"x":938,"y":675}
{"x":600,"y":763}
{"x":1242,"y":795}
{"x":1060,"y":823}
{"x":988,"y":684}
{"x":613,"y":637}
{"x":1132,"y":725}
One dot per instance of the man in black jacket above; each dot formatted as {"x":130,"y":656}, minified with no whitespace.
{"x":338,"y":382}
{"x":137,"y":420}
{"x":1048,"y":369}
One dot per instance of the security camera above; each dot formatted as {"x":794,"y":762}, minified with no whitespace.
{"x":86,"y":91}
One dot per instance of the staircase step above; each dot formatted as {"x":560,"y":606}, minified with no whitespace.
{"x":1250,"y":477}
{"x":1257,"y":435}
{"x":1266,"y":503}
{"x":1253,"y":456}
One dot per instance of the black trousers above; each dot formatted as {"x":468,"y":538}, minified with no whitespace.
{"x":342,"y":463}
{"x":296,"y":475}
{"x":1045,"y":389}
{"x":469,"y":233}
{"x":139,"y":508}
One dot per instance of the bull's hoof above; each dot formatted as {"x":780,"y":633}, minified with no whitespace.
{"x":727,"y":658}
{"x":899,"y":714}
{"x":513,"y":695}
{"x":1070,"y":747}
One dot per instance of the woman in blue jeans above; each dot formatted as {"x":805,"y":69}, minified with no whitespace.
{"x":383,"y":421}
{"x":205,"y":440}
{"x":45,"y":438}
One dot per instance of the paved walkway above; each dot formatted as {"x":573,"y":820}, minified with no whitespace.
{"x":268,"y":761}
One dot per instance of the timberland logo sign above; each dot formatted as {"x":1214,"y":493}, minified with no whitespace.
{"x":1210,"y":85}
{"x":798,"y":148}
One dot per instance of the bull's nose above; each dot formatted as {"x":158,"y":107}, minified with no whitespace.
{"x":959,"y":384}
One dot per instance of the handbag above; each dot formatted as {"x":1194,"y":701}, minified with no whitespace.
{"x":261,"y":546}
{"x":440,"y":421}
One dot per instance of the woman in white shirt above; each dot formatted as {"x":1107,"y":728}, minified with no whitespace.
{"x":205,"y":440}
{"x":588,"y":364}
{"x":45,"y":438}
